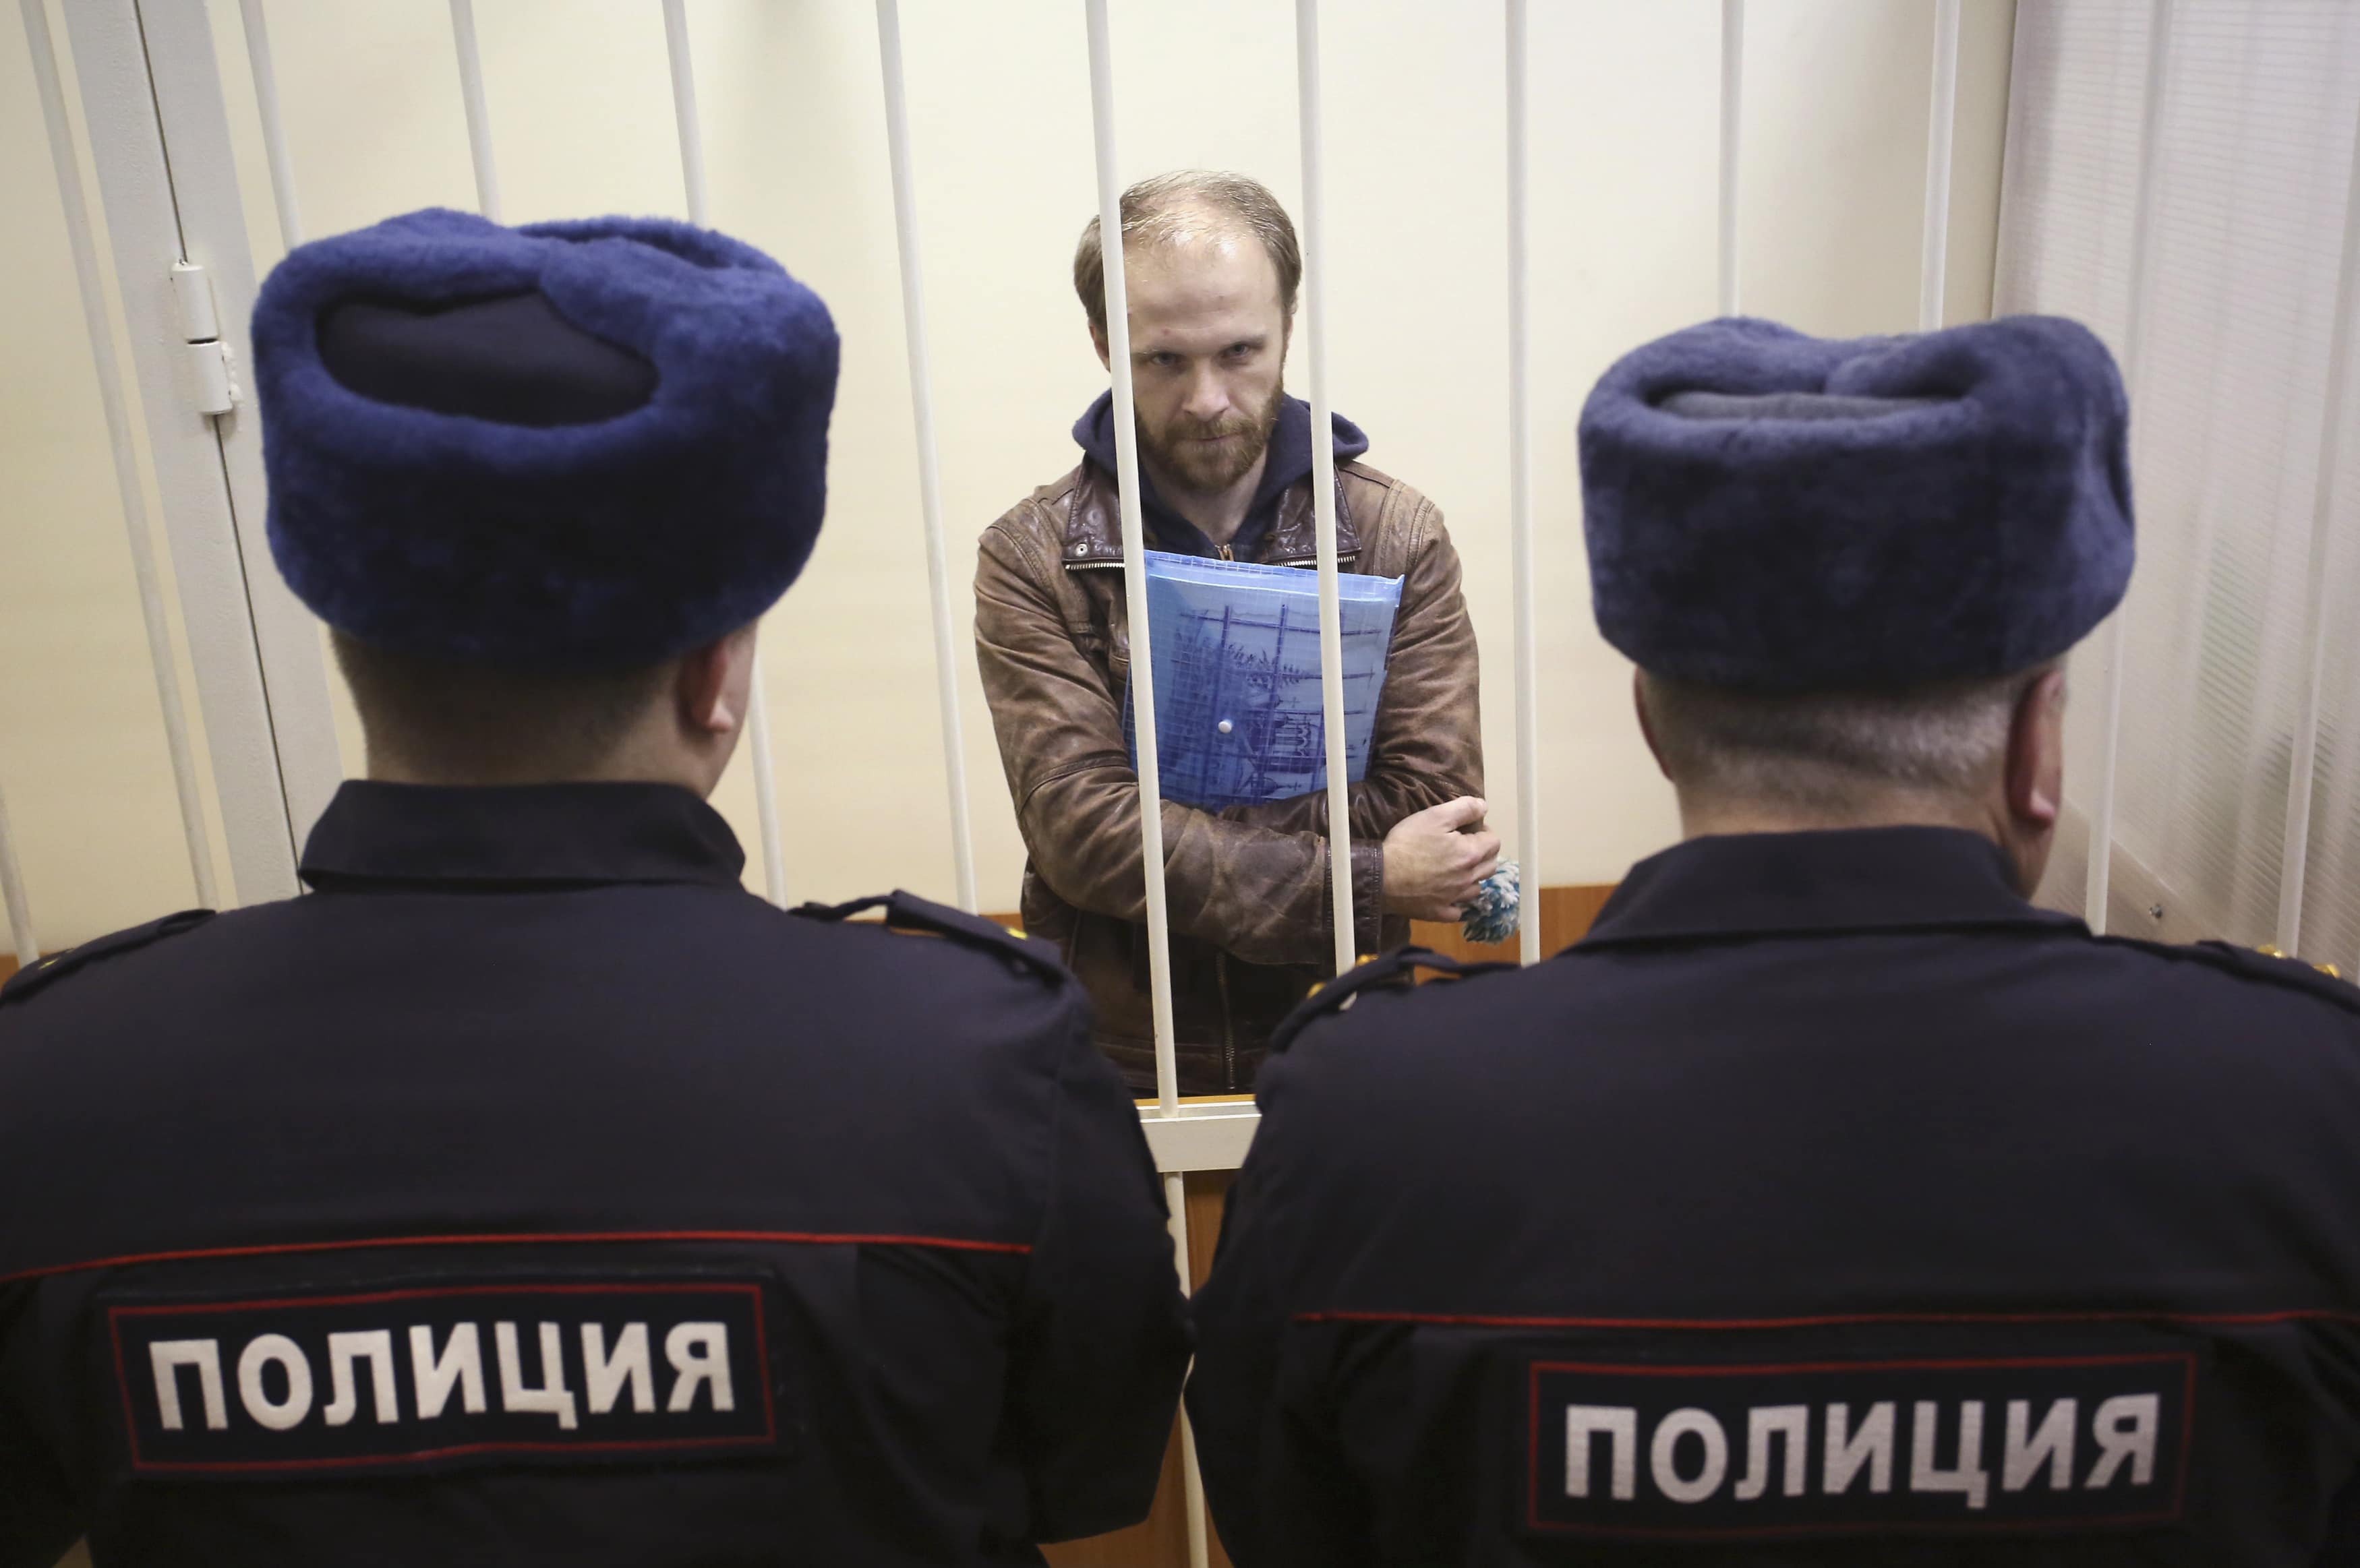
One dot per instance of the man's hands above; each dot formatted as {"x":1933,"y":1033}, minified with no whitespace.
{"x":1434,"y":860}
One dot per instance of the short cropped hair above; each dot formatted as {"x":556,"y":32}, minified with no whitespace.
{"x":1831,"y":751}
{"x":1169,"y":207}
{"x":469,"y":721}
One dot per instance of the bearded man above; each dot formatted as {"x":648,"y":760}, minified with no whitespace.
{"x":1225,"y":459}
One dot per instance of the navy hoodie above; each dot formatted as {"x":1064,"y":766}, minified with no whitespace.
{"x":1288,"y":465}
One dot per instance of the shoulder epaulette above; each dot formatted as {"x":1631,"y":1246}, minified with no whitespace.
{"x":907,"y":913}
{"x":58,"y":965}
{"x":2268,"y":967}
{"x":1396,"y":969}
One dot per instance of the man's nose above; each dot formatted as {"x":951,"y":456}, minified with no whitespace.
{"x":1208,"y":399}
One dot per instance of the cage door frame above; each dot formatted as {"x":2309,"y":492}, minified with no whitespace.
{"x":157,"y":125}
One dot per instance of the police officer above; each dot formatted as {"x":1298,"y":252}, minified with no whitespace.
{"x":1829,"y":1203}
{"x":530,"y":1193}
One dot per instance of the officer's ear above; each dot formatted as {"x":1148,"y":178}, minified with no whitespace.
{"x":714,"y":687}
{"x":1646,"y":724}
{"x":2035,"y":752}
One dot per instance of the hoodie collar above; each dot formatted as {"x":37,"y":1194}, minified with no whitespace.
{"x":1277,"y":525}
{"x":1854,"y":880}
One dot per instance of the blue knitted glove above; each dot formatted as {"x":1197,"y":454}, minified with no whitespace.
{"x":1491,"y":916}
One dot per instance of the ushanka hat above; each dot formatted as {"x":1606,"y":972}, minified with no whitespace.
{"x":573,"y":445}
{"x":1770,"y":511}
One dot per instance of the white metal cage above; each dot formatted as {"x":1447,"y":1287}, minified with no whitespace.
{"x":158,"y":137}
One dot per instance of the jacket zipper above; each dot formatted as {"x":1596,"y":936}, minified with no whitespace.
{"x":1224,"y":550}
{"x":1228,"y":1027}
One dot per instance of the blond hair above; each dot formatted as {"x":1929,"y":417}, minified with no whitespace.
{"x":1168,"y":208}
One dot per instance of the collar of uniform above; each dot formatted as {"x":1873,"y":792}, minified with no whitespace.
{"x":523,"y":835}
{"x":1853,"y":880}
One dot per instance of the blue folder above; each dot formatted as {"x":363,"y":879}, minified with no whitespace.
{"x":1236,"y":645}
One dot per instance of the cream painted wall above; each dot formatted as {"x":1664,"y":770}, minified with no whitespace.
{"x":1624,"y":144}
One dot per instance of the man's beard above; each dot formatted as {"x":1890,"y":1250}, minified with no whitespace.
{"x":1183,"y":450}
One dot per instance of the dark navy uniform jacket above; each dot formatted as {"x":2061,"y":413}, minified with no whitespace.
{"x":531,"y":1193}
{"x":1829,"y":1203}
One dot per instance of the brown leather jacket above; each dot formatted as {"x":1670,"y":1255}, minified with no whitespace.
{"x":1247,"y":892}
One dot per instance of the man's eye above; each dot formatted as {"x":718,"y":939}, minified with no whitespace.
{"x":1240,"y":351}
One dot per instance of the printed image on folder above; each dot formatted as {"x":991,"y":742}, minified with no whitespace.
{"x":1235,"y":647}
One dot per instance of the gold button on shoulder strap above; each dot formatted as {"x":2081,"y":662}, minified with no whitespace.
{"x":2272,"y":950}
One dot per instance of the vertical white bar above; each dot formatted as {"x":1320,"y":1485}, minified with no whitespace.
{"x":683,"y":108}
{"x":1520,"y":488}
{"x":274,"y":131}
{"x":922,"y":410}
{"x":93,"y":287}
{"x":692,"y":174}
{"x":1192,"y":1493}
{"x":2297,"y":849}
{"x":1191,"y":1479}
{"x":20,"y":919}
{"x":479,"y":122}
{"x":1143,"y":673}
{"x":765,"y":785}
{"x":2101,"y":825}
{"x":1323,"y":484}
{"x":1134,"y":554}
{"x":1935,"y":249}
{"x":1733,"y":91}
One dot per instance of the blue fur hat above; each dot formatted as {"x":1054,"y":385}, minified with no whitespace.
{"x":566,"y":446}
{"x":1775,"y":512}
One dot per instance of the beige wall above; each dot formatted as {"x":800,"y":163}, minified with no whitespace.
{"x":1624,"y":144}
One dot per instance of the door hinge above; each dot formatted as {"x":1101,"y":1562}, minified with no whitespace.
{"x":213,"y":372}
